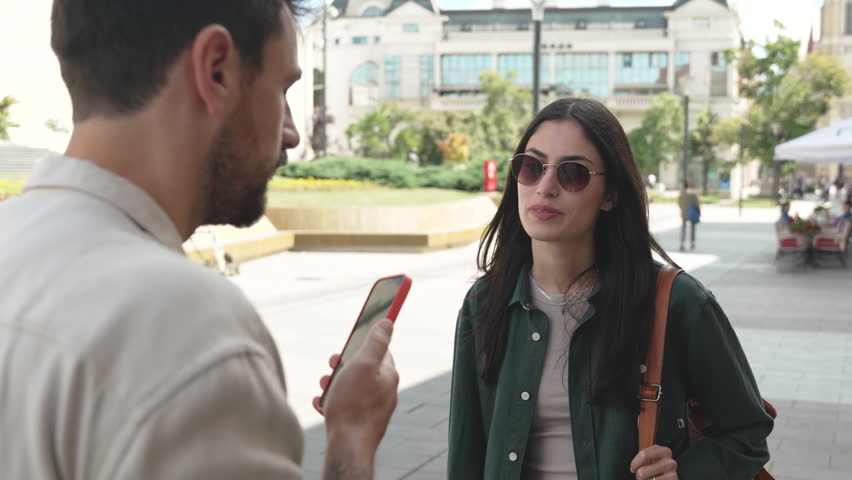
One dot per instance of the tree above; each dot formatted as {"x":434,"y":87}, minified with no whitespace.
{"x":5,"y":123}
{"x":374,"y":135}
{"x":455,"y":149}
{"x":506,"y":113}
{"x":789,"y":95}
{"x":703,"y":144}
{"x":659,"y":135}
{"x":55,"y":126}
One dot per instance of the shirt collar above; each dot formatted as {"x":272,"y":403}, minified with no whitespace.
{"x":69,"y":173}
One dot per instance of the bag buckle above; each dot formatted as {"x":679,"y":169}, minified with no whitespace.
{"x":650,"y":392}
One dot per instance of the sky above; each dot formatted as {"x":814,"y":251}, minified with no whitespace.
{"x":29,"y":71}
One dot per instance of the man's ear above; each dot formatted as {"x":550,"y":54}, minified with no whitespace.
{"x":215,"y":67}
{"x":610,"y":199}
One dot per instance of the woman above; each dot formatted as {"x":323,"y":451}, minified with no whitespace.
{"x":551,"y":337}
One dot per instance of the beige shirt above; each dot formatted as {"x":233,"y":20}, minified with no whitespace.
{"x":119,"y":357}
{"x":550,"y":447}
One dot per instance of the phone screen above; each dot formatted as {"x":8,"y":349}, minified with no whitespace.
{"x":377,"y":307}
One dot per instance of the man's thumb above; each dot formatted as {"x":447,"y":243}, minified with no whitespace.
{"x":378,"y":340}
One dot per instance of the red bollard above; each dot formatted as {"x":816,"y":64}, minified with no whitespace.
{"x":489,"y":179}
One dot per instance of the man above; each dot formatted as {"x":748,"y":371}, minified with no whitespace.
{"x":690,"y":212}
{"x":120,"y":358}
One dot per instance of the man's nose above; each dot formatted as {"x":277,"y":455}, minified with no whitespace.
{"x":290,"y":135}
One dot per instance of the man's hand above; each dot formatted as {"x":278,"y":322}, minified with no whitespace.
{"x":359,"y":405}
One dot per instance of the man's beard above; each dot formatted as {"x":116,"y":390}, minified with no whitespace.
{"x":234,"y":196}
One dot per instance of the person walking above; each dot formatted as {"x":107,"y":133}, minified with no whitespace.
{"x":690,"y":214}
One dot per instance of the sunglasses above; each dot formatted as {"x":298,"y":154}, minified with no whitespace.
{"x":573,"y":176}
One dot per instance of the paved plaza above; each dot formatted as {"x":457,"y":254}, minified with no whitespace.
{"x":796,"y":328}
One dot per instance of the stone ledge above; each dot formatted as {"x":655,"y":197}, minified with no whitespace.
{"x":413,"y":241}
{"x":247,"y":248}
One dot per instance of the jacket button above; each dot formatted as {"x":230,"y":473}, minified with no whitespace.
{"x":525,"y":396}
{"x":513,"y":456}
{"x":536,"y":336}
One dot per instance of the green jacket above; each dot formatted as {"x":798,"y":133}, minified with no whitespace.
{"x":489,"y":424}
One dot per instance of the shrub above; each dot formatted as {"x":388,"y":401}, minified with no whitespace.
{"x":394,"y":173}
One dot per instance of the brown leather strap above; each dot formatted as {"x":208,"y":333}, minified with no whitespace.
{"x":651,"y":391}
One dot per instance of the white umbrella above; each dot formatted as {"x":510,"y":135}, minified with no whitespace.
{"x":832,"y":144}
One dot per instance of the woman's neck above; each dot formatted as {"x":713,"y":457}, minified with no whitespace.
{"x":557,"y":267}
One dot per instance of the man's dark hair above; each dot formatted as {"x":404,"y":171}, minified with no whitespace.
{"x":115,"y":54}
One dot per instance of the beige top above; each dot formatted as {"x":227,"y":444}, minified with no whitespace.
{"x":119,"y":357}
{"x":550,"y":447}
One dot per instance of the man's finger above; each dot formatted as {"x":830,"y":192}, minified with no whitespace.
{"x":376,"y":345}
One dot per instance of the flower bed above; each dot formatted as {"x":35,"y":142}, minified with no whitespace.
{"x":284,"y":184}
{"x":10,"y":188}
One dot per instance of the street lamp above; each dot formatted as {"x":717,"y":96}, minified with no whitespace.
{"x":327,"y":10}
{"x":537,"y":16}
{"x":685,"y":136}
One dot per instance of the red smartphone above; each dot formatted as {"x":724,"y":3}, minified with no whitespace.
{"x":384,"y":301}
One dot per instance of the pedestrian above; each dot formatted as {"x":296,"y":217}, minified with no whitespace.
{"x":551,"y":337}
{"x":690,"y":214}
{"x":120,"y":357}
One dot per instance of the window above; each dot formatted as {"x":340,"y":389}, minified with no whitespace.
{"x":372,"y":12}
{"x":411,"y":28}
{"x":523,"y":26}
{"x":364,"y":84}
{"x":702,"y":23}
{"x":681,"y":71}
{"x":377,"y":39}
{"x":522,"y":65}
{"x":365,"y":74}
{"x":640,"y":72}
{"x":359,"y":40}
{"x":641,"y":23}
{"x":427,"y":75}
{"x":718,"y":74}
{"x":578,"y":73}
{"x":467,"y":27}
{"x":463,"y":70}
{"x":392,"y":76}
{"x":580,"y":25}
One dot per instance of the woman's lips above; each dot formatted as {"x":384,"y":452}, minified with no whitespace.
{"x":544,"y":212}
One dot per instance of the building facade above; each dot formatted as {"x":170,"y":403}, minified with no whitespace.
{"x":835,"y":40}
{"x":411,"y":52}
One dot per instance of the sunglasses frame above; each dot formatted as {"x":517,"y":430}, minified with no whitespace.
{"x":545,"y":166}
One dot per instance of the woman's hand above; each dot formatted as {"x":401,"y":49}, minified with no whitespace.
{"x":654,"y":463}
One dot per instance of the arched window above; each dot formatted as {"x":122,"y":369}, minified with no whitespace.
{"x":364,"y":85}
{"x":365,"y":74}
{"x":372,"y":12}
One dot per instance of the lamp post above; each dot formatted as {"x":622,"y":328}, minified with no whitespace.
{"x":324,"y":109}
{"x":537,"y":16}
{"x":742,"y":167}
{"x":685,"y":137}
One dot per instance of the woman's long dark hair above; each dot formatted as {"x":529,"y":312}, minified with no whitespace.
{"x":623,"y":244}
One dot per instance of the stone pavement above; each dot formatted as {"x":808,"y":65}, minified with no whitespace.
{"x":796,"y":329}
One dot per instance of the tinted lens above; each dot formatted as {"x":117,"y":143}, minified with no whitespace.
{"x":573,"y":176}
{"x":527,"y":169}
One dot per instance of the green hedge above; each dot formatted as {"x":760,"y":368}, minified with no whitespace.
{"x":393,"y":173}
